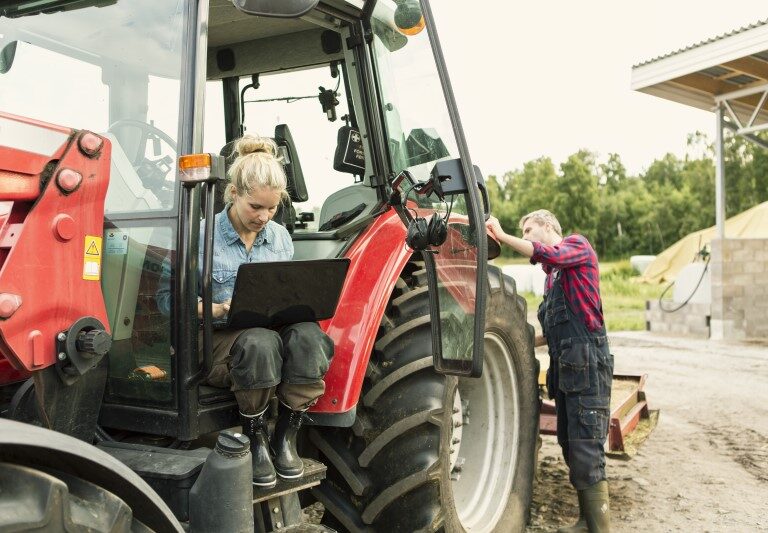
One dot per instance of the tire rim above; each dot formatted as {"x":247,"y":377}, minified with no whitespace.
{"x":484,"y":458}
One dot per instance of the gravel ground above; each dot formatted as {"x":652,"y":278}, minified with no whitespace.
{"x":705,"y":465}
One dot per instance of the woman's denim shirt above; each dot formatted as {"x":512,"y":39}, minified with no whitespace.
{"x":273,"y":243}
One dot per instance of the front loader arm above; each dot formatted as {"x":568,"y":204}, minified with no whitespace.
{"x":53,"y":182}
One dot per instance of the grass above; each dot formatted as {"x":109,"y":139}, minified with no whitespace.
{"x":623,"y":298}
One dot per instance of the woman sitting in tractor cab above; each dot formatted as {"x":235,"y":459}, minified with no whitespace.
{"x":257,"y":362}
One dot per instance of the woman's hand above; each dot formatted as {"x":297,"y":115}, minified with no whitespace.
{"x":221,"y":310}
{"x":539,"y":340}
{"x":217,"y":310}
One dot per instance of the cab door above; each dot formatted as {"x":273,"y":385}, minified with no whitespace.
{"x":425,"y":138}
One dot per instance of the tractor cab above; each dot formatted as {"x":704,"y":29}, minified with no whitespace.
{"x":357,"y":98}
{"x":351,"y":104}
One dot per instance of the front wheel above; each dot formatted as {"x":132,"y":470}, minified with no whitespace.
{"x":430,"y":452}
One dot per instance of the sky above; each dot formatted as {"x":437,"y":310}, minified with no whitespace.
{"x":531,"y":79}
{"x":548,"y":78}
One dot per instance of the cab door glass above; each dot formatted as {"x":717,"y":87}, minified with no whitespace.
{"x":137,"y":286}
{"x":420,"y":133}
{"x":112,"y":67}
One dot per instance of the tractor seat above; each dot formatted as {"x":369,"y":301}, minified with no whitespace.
{"x":208,"y":394}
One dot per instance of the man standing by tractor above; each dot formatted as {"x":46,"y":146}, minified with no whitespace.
{"x":581,"y":365}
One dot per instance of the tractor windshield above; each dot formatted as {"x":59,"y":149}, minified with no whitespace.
{"x":110,"y":66}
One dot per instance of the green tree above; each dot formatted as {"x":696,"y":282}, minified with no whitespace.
{"x":576,"y":195}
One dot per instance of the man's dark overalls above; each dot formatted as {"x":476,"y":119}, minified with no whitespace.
{"x":579,"y":379}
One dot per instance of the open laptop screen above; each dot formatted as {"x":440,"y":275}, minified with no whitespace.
{"x":277,"y":293}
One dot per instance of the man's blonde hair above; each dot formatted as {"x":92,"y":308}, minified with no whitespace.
{"x":542,"y":217}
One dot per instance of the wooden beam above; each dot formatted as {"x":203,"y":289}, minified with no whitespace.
{"x":713,"y":87}
{"x":705,"y":84}
{"x":751,"y":66}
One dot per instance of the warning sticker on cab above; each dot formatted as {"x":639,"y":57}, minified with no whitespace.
{"x":92,"y":258}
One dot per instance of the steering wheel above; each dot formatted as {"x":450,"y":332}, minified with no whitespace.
{"x":152,"y":173}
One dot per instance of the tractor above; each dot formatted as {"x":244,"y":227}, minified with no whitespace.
{"x":429,"y":421}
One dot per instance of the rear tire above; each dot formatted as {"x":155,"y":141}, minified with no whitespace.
{"x":431,"y":452}
{"x":45,"y":500}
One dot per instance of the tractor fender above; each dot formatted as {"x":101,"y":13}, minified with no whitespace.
{"x":377,"y":258}
{"x":35,"y":447}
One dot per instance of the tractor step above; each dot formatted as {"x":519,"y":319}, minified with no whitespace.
{"x":314,"y":473}
{"x":172,"y":472}
{"x":278,"y":508}
{"x":307,"y":528}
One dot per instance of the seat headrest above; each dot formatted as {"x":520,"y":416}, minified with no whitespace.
{"x":295,"y":179}
{"x":228,"y":153}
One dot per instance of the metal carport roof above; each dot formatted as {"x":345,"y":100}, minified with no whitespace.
{"x":728,"y":75}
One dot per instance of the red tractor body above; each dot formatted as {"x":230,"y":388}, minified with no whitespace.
{"x":51,"y":223}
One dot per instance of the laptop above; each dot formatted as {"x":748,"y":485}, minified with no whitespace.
{"x":278,"y":293}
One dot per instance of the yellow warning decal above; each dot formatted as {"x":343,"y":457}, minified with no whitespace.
{"x":92,"y":258}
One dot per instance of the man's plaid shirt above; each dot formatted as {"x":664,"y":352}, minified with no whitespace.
{"x":580,"y":276}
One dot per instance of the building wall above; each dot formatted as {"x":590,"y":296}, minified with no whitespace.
{"x":692,"y":320}
{"x":739,"y":288}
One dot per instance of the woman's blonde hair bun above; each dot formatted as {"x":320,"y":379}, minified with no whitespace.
{"x":250,"y":144}
{"x":256,"y":166}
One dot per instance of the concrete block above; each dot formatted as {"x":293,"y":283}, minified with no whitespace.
{"x":761,"y":255}
{"x":726,"y":330}
{"x":732,"y":290}
{"x":692,"y":320}
{"x":758,"y":305}
{"x":739,"y":279}
{"x":742,"y":256}
{"x":753,"y":267}
{"x":720,"y":329}
{"x":759,"y":291}
{"x":754,"y":244}
{"x":757,"y":333}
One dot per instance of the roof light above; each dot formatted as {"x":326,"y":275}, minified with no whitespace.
{"x":408,"y":17}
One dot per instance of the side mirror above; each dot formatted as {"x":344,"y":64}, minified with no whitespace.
{"x":276,"y":8}
{"x":448,"y":178}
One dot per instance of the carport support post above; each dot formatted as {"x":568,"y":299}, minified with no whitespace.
{"x":719,"y":172}
{"x":719,"y":327}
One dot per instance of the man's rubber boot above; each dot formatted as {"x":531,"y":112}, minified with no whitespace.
{"x":255,"y":428}
{"x":581,"y":524}
{"x":288,"y":464}
{"x":597,"y":508}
